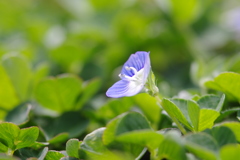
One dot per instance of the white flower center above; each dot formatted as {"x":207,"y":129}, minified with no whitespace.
{"x":137,"y":77}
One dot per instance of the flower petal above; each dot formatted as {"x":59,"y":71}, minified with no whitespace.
{"x":138,"y":61}
{"x":124,"y":88}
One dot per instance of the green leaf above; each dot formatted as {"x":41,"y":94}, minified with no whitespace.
{"x":226,"y":82}
{"x":9,"y":134}
{"x":19,"y":73}
{"x":27,"y":137}
{"x":13,"y":138}
{"x":211,"y":102}
{"x":60,"y":93}
{"x":8,"y":97}
{"x":174,"y":111}
{"x":113,"y":108}
{"x":93,"y":148}
{"x":226,"y":113}
{"x":146,"y":138}
{"x":89,"y":89}
{"x":230,"y":152}
{"x":3,"y":148}
{"x":207,"y":118}
{"x":202,"y":145}
{"x":124,"y":123}
{"x":172,"y":147}
{"x":61,"y":137}
{"x":235,"y":127}
{"x":223,"y":135}
{"x":190,"y":114}
{"x":69,"y":158}
{"x":53,"y":126}
{"x":72,"y":147}
{"x":40,"y":72}
{"x":20,"y":114}
{"x":31,"y":154}
{"x":194,"y":114}
{"x":93,"y":142}
{"x":53,"y":155}
{"x":148,"y":105}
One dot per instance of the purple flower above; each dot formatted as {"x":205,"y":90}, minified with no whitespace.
{"x":133,"y":76}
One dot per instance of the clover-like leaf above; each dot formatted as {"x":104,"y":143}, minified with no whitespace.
{"x":72,"y":147}
{"x":230,"y":152}
{"x":146,"y":138}
{"x":59,"y":129}
{"x":27,"y":137}
{"x":19,"y":114}
{"x":190,"y":114}
{"x":124,"y":123}
{"x":235,"y":127}
{"x":19,"y":73}
{"x":202,"y":145}
{"x":53,"y":155}
{"x":60,"y":93}
{"x":13,"y":138}
{"x":223,"y":135}
{"x":228,"y":83}
{"x":172,"y":147}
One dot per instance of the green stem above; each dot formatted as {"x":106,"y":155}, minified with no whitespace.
{"x":180,"y":127}
{"x":153,"y":154}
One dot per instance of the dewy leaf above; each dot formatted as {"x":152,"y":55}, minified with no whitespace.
{"x":19,"y":114}
{"x":27,"y":137}
{"x":59,"y":94}
{"x":211,"y":102}
{"x":228,"y":83}
{"x":202,"y":145}
{"x":9,"y":133}
{"x":230,"y":152}
{"x":72,"y":147}
{"x":19,"y":73}
{"x":124,"y":123}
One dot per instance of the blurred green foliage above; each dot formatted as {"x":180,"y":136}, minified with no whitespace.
{"x":59,"y":57}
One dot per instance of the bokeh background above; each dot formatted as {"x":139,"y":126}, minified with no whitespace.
{"x":93,"y":38}
{"x":190,"y":41}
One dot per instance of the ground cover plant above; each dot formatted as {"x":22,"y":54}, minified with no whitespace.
{"x":119,"y":80}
